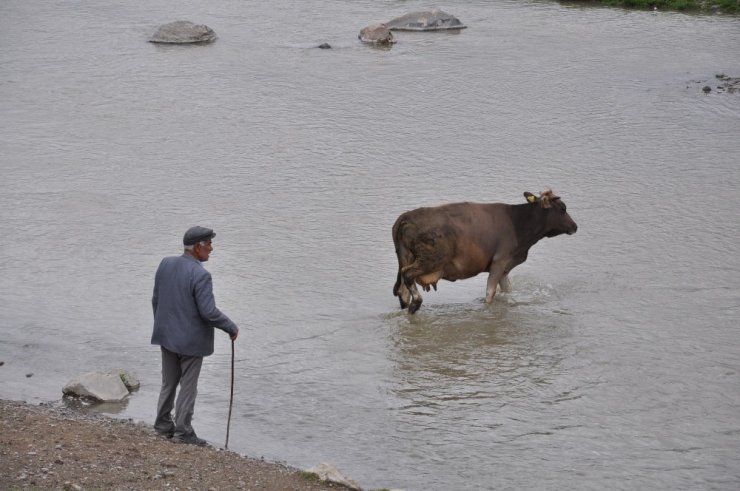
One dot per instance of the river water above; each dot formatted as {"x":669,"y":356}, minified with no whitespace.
{"x":614,"y":362}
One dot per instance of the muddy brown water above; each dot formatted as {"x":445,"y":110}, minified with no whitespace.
{"x":614,"y":362}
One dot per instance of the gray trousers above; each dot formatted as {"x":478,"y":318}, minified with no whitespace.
{"x":184,"y":371}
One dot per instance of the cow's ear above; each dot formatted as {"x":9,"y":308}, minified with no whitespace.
{"x":531,"y":198}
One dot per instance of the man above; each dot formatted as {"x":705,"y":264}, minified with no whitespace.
{"x":185,"y":314}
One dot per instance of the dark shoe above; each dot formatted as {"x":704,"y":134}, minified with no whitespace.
{"x":166,"y":434}
{"x":190,"y":439}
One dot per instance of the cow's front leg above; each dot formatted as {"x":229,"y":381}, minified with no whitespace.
{"x":504,"y":284}
{"x":494,"y":276}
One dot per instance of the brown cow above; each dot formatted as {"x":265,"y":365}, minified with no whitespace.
{"x":461,"y":240}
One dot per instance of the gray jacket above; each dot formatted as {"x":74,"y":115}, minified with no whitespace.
{"x":185,"y":310}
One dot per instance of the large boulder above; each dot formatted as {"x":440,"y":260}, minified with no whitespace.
{"x":425,"y":20}
{"x":104,"y":387}
{"x":183,"y":32}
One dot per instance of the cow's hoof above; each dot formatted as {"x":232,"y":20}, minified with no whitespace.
{"x":414,"y":307}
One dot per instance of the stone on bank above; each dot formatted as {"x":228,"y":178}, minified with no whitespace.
{"x":113,"y":386}
{"x":329,"y":473}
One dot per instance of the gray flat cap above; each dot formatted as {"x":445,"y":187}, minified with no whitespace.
{"x":197,"y":234}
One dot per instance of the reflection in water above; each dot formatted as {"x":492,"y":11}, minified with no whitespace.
{"x":455,"y":355}
{"x":89,"y":406}
{"x":494,"y":378}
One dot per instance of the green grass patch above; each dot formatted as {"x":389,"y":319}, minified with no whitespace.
{"x":310,"y":476}
{"x":689,"y":6}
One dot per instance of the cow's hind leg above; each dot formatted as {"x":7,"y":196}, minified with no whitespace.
{"x":415,"y":299}
{"x":400,"y":290}
{"x":409,"y":274}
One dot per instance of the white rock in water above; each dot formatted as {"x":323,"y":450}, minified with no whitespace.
{"x":425,"y":20}
{"x":183,"y":32}
{"x":328,"y":472}
{"x":106,"y":387}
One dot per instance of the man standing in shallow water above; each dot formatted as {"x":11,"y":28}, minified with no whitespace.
{"x":185,"y":314}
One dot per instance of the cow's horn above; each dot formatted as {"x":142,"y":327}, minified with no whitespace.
{"x":547,"y":196}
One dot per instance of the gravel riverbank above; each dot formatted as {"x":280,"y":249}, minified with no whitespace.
{"x":50,"y":447}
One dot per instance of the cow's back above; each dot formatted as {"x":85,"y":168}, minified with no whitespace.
{"x":471,"y":221}
{"x":457,"y":238}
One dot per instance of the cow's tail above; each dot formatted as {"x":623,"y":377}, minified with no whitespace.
{"x":405,"y":257}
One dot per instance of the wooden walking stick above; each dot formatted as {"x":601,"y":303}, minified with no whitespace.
{"x":231,"y":399}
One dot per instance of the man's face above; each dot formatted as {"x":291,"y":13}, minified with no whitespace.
{"x":202,"y":250}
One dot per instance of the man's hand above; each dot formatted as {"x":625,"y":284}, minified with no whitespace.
{"x":234,"y":336}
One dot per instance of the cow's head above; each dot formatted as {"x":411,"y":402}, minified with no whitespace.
{"x":557,"y":220}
